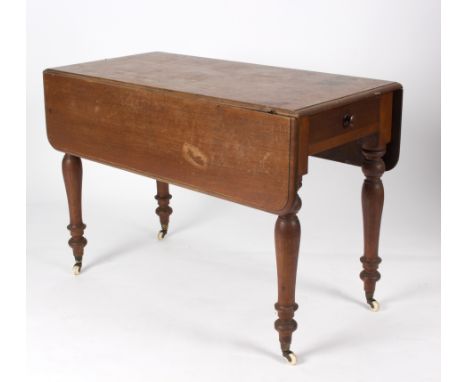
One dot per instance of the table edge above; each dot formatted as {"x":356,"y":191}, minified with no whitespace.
{"x":294,"y":113}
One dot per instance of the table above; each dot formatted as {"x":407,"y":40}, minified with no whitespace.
{"x":237,"y":131}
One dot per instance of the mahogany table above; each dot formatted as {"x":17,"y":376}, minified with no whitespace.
{"x":237,"y":131}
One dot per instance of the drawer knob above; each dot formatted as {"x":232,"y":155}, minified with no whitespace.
{"x":348,"y":120}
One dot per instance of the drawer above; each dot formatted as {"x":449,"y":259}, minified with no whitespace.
{"x":343,"y":124}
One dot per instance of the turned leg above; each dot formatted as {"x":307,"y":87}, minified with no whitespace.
{"x":72,"y":175}
{"x":287,"y":238}
{"x":164,"y":210}
{"x":372,"y":205}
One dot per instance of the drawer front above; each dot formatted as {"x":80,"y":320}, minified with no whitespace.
{"x":344,"y":124}
{"x":236,"y":154}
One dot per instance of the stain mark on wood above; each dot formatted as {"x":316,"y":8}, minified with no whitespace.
{"x":194,"y":156}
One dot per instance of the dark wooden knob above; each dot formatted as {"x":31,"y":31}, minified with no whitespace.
{"x":348,"y":120}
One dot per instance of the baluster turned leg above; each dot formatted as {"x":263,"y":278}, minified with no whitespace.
{"x":372,"y":206}
{"x":287,"y":238}
{"x":72,"y":175}
{"x":164,"y":210}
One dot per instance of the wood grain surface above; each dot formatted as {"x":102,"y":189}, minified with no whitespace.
{"x":241,"y":155}
{"x":258,"y":87}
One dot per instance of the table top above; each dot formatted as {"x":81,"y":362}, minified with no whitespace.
{"x":257,"y":87}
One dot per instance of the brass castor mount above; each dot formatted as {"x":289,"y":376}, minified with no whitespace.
{"x":374,"y":305}
{"x":290,"y":357}
{"x":162,"y":234}
{"x":77,"y":268}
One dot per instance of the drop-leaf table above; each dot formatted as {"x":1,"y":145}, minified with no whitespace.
{"x":237,"y":131}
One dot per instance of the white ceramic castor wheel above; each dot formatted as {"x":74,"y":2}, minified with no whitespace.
{"x":290,"y":357}
{"x":162,"y":234}
{"x":77,"y":269}
{"x":374,"y":306}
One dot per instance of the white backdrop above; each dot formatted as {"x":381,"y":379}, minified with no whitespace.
{"x":199,"y":305}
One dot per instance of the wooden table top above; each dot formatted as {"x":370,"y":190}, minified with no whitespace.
{"x":257,"y":87}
